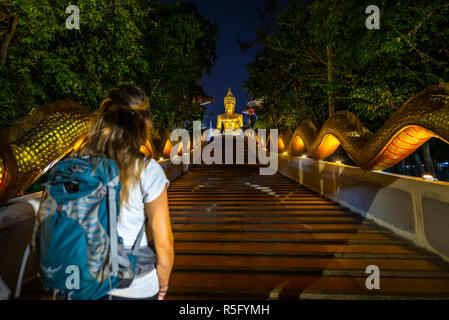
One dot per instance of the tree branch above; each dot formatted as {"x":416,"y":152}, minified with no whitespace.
{"x":159,"y":80}
{"x":419,"y":25}
{"x":413,"y":47}
{"x":414,"y":74}
{"x":7,"y":40}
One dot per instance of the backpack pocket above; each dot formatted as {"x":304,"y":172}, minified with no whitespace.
{"x":146,"y":261}
{"x":63,"y":249}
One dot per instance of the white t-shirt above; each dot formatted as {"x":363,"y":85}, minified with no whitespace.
{"x":131,"y":218}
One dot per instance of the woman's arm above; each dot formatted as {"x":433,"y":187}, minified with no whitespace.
{"x":159,"y":220}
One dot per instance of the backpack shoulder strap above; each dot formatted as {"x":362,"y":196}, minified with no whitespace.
{"x":114,"y":257}
{"x":136,"y":246}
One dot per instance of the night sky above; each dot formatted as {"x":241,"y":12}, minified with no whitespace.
{"x":237,"y":19}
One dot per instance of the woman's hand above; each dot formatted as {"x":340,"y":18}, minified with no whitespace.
{"x":162,"y":292}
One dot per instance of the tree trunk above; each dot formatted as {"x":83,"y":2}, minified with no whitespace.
{"x":435,"y":167}
{"x":413,"y":166}
{"x":402,"y":166}
{"x":7,"y":39}
{"x":272,"y":116}
{"x":394,"y":169}
{"x":418,"y":163}
{"x":428,"y":159}
{"x":330,"y":78}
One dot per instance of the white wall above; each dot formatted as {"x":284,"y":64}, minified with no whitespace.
{"x":411,"y":207}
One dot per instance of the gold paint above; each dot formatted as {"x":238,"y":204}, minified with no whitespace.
{"x":424,"y":116}
{"x":229,"y":120}
{"x":48,"y":134}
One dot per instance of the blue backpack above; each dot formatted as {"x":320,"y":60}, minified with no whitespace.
{"x":81,"y":255}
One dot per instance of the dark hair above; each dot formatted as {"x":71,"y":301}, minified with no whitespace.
{"x":120,"y":128}
{"x":127,"y":96}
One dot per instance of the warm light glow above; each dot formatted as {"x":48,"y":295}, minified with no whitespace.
{"x":281,"y":145}
{"x":328,"y":146}
{"x":285,"y":153}
{"x":2,"y":172}
{"x":80,"y":143}
{"x":338,"y":162}
{"x":167,"y":148}
{"x":401,"y":146}
{"x":298,"y":145}
{"x":304,"y":156}
{"x":146,"y":149}
{"x":428,"y":177}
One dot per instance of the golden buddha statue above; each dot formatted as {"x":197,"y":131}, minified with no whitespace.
{"x":229,"y":120}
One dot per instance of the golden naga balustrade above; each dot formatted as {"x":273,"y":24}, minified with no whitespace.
{"x":40,"y":139}
{"x":37,"y":141}
{"x":424,"y":116}
{"x":30,"y":147}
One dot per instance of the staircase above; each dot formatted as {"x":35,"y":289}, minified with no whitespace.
{"x":240,"y":235}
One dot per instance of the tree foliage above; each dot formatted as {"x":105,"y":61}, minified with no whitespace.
{"x":374,"y":71}
{"x":162,"y":47}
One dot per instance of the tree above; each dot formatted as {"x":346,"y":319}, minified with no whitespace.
{"x":182,"y":46}
{"x":374,"y":71}
{"x":164,"y":48}
{"x":321,"y":56}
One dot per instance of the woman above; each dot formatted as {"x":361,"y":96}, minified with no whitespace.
{"x":121,"y":127}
